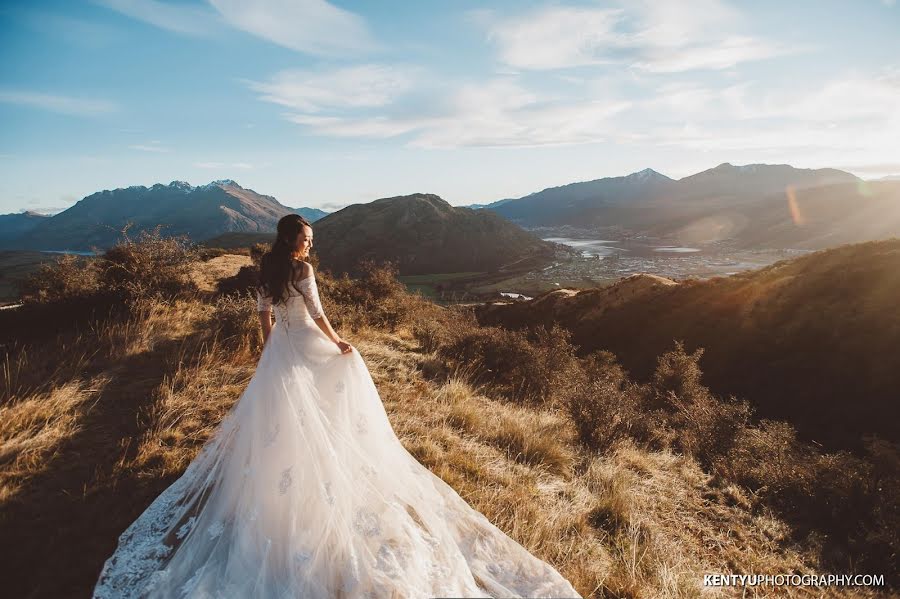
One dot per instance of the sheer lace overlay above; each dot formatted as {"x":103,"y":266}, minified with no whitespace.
{"x":308,"y":290}
{"x":305,"y":491}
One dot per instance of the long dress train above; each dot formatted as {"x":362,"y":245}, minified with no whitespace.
{"x":305,"y":491}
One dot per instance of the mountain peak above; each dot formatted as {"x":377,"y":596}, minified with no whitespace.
{"x":648,"y":174}
{"x":225,"y":183}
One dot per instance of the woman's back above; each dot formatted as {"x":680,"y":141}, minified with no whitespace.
{"x":301,"y":305}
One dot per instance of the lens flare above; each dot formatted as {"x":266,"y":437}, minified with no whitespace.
{"x":863,"y":188}
{"x":794,"y":206}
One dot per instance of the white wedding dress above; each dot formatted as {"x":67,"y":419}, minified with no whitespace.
{"x":304,"y":491}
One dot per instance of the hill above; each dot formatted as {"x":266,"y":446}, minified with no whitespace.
{"x":807,"y":340}
{"x":424,"y":234}
{"x":181,"y":209}
{"x":101,"y":416}
{"x":17,"y":224}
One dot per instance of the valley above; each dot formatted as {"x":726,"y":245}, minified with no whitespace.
{"x":601,"y":256}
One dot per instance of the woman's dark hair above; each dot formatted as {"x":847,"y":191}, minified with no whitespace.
{"x":276,"y":270}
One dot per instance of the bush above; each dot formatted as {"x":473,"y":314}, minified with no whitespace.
{"x":604,"y":405}
{"x":69,"y":277}
{"x":152,"y":265}
{"x":851,"y":500}
{"x":376,"y":299}
{"x":690,"y":418}
{"x":532,"y":367}
{"x":237,"y":322}
{"x":75,"y":289}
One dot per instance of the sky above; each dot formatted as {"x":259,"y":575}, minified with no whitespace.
{"x":328,"y":104}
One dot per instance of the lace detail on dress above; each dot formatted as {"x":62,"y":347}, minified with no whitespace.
{"x":285,"y":481}
{"x":367,"y":523}
{"x":307,"y":286}
{"x":263,"y":302}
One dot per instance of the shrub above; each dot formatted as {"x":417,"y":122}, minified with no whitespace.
{"x":74,"y":290}
{"x":850,"y":499}
{"x":237,"y":322}
{"x":533,"y":367}
{"x":152,"y":265}
{"x":604,"y":405}
{"x":691,"y":419}
{"x":376,"y":299}
{"x":69,"y":277}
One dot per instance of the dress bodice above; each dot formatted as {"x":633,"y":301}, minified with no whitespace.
{"x":301,"y":306}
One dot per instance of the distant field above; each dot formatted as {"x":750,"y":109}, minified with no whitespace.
{"x":15,"y":266}
{"x":425,"y":284}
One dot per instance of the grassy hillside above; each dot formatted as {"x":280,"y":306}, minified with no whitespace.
{"x":15,"y":267}
{"x":627,"y":489}
{"x":809,"y":340}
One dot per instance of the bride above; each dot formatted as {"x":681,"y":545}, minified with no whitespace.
{"x":305,"y":491}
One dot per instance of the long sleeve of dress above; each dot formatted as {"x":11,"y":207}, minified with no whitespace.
{"x":263,"y":302}
{"x":310,"y":292}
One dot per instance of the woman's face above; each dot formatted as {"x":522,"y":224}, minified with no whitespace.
{"x":304,"y":241}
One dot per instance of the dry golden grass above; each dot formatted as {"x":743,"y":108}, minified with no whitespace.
{"x":208,"y":273}
{"x":97,"y":423}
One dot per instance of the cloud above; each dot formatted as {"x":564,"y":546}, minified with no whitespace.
{"x":657,"y":37}
{"x":853,"y":116}
{"x":499,"y":113}
{"x":153,"y":146}
{"x":842,"y":100}
{"x":362,"y":86}
{"x":178,"y":18}
{"x":310,"y":26}
{"x":723,"y":54}
{"x":56,"y":103}
{"x":554,"y":37}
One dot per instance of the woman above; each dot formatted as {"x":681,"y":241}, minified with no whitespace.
{"x":305,"y":490}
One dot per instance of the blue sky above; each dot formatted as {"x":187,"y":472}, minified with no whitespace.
{"x":326,"y":104}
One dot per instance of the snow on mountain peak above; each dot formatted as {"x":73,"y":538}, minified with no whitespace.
{"x":648,"y":174}
{"x":182,"y":185}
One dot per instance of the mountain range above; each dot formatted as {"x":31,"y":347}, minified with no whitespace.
{"x":750,"y":206}
{"x":756,"y":205}
{"x":199,"y":212}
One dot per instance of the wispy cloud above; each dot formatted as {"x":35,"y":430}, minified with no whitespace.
{"x":497,"y":113}
{"x":554,"y":37}
{"x":659,"y":36}
{"x":311,"y":26}
{"x":57,"y":103}
{"x":852,"y":114}
{"x":179,"y":18}
{"x":362,"y":86}
{"x":153,"y":146}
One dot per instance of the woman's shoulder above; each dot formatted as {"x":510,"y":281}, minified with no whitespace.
{"x":304,"y":269}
